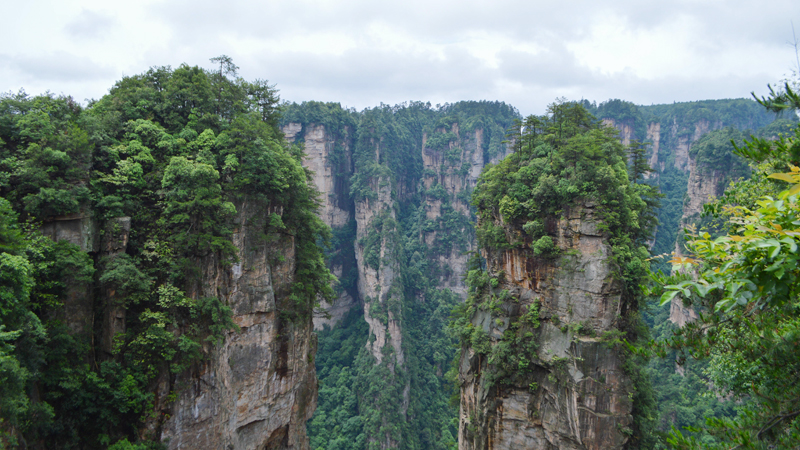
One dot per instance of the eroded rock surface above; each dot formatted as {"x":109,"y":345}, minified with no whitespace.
{"x":259,"y":387}
{"x":331,"y":172}
{"x":576,"y":395}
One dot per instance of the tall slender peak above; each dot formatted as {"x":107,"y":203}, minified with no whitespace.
{"x":561,"y":239}
{"x":569,"y":389}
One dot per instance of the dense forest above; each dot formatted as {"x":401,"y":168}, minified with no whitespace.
{"x":123,"y":222}
{"x":89,"y":331}
{"x":686,"y":400}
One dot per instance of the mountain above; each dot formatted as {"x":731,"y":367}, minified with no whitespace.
{"x":167,"y":267}
{"x":173,"y":301}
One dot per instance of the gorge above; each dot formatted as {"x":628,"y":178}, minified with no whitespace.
{"x":174,"y":299}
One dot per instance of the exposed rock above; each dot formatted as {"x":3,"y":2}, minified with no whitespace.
{"x":580,"y":399}
{"x":700,"y":189}
{"x":654,"y":137}
{"x":258,"y":388}
{"x":78,"y":229}
{"x":318,"y":149}
{"x":114,"y":242}
{"x":684,"y":140}
{"x":626,"y":132}
{"x":374,"y":284}
{"x":337,"y":208}
{"x":680,"y":315}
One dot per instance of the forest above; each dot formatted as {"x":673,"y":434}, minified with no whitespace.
{"x":161,"y":162}
{"x":125,"y":223}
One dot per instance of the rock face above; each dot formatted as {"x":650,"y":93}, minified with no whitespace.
{"x":700,"y":189}
{"x":445,"y":168}
{"x":259,"y":387}
{"x":456,"y":174}
{"x":684,"y":141}
{"x":441,"y":165}
{"x":576,"y":394}
{"x":654,"y":137}
{"x":331,"y":172}
{"x":625,"y":128}
{"x":78,"y":229}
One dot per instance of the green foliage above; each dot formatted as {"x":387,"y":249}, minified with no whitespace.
{"x":44,"y":153}
{"x":385,"y":143}
{"x":745,"y":286}
{"x":545,"y":247}
{"x":563,"y":160}
{"x":159,"y":164}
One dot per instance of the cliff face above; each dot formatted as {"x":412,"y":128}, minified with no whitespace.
{"x":701,"y":188}
{"x":455,"y":168}
{"x":254,"y":391}
{"x":683,"y":139}
{"x":331,"y":172}
{"x":259,"y":387}
{"x":456,"y":174}
{"x":576,"y":394}
{"x":408,"y":182}
{"x":625,"y":128}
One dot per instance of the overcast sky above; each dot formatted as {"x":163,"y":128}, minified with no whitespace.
{"x":364,"y":52}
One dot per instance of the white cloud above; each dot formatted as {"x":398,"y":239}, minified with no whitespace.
{"x":362,"y":52}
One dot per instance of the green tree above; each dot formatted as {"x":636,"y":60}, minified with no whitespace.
{"x":746,"y":284}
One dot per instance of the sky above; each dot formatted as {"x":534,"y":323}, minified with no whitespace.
{"x":362,"y":53}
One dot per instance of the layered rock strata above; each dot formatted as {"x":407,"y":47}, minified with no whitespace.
{"x":331,"y":171}
{"x":576,"y":394}
{"x":259,"y":387}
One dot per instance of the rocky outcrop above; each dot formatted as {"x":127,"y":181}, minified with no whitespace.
{"x":680,"y":315}
{"x":702,"y":187}
{"x":258,"y":388}
{"x":573,"y":392}
{"x":625,"y":128}
{"x":376,"y":277}
{"x":80,"y":230}
{"x":684,"y":139}
{"x":454,"y":168}
{"x":654,"y":137}
{"x":254,"y":391}
{"x":114,"y":242}
{"x":455,"y":174}
{"x":329,"y":158}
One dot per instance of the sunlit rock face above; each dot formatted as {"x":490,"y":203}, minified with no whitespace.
{"x":259,"y":387}
{"x":577,"y":395}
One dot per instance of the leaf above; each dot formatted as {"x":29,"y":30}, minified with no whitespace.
{"x":667,"y":297}
{"x":787,"y":177}
{"x":720,"y":304}
{"x":703,"y":289}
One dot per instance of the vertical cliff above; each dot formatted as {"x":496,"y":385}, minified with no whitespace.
{"x":561,"y":230}
{"x":568,"y":388}
{"x":174,"y":299}
{"x":412,"y":170}
{"x":327,"y":149}
{"x":258,"y":387}
{"x":671,"y":132}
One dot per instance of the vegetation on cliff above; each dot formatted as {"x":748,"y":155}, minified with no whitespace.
{"x":364,"y":404}
{"x":745,"y":284}
{"x":175,"y":150}
{"x":563,"y":158}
